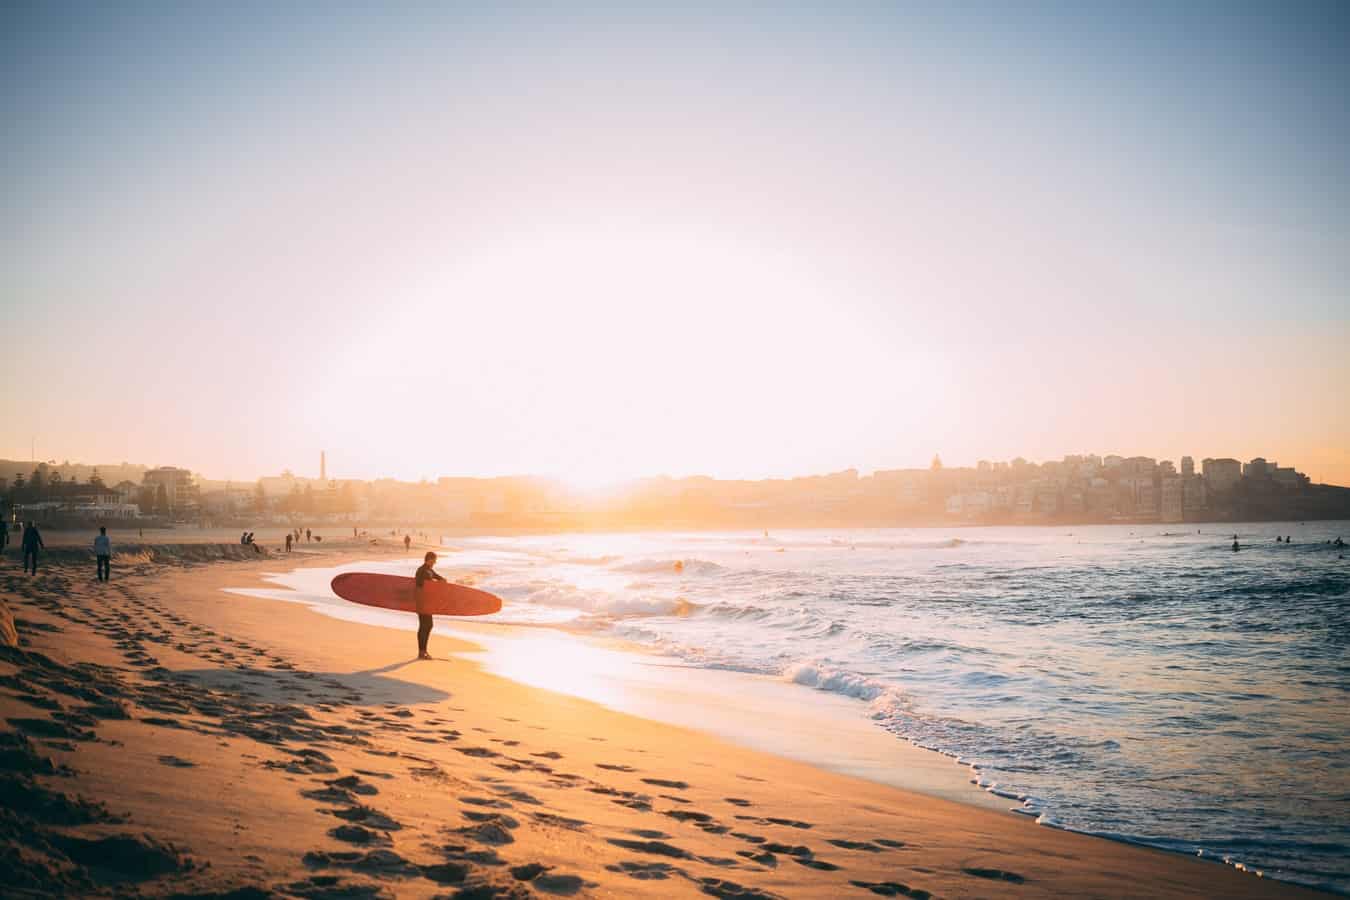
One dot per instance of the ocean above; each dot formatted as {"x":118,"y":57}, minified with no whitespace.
{"x":1143,"y":683}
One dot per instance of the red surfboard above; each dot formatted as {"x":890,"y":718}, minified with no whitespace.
{"x":442,"y":598}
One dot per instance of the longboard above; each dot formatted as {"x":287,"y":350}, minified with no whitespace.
{"x":441,"y":598}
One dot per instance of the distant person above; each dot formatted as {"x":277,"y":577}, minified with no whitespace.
{"x":4,"y":535}
{"x":288,"y":542}
{"x":103,"y":554}
{"x":1236,"y":546}
{"x":307,"y":534}
{"x":1278,"y":539}
{"x":407,"y":542}
{"x":1338,"y":542}
{"x":243,"y":537}
{"x":32,"y":543}
{"x":353,"y":531}
{"x":1288,"y":539}
{"x":425,"y":573}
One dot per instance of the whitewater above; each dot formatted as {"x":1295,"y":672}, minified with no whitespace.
{"x":1144,"y":683}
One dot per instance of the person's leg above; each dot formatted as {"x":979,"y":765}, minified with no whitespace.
{"x":423,"y":633}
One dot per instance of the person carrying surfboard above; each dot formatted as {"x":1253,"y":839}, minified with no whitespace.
{"x":425,"y":572}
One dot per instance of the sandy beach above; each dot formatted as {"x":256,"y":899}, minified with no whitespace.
{"x":162,"y":737}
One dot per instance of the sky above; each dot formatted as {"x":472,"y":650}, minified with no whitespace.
{"x":600,"y":243}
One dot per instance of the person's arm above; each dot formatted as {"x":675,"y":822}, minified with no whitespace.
{"x":434,"y":574}
{"x":38,"y":535}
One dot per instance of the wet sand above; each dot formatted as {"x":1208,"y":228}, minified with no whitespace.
{"x":160,"y":735}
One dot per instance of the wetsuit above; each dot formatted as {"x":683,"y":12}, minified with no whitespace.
{"x":424,"y":574}
{"x":32,"y":543}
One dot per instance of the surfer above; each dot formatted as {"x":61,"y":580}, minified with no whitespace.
{"x":1236,"y":546}
{"x":425,"y":572}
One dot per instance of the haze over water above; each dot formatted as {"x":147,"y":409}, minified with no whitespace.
{"x":1160,"y":689}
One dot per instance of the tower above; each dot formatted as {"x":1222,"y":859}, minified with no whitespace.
{"x":323,"y":465}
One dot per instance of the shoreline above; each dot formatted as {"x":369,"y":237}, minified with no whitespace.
{"x":283,"y":680}
{"x":629,"y":678}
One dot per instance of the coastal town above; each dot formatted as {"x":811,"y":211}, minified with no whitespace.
{"x":1075,"y":489}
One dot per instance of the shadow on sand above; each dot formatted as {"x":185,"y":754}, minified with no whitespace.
{"x":312,"y":688}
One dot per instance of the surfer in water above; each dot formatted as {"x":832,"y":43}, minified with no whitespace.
{"x":425,"y":572}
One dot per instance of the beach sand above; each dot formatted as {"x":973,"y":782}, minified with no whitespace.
{"x":161,"y":737}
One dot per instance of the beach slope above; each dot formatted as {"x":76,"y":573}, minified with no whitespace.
{"x":159,"y":735}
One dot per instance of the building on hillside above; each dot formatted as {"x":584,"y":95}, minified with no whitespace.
{"x":1193,"y":495}
{"x":1172,"y":499}
{"x":1257,"y":468}
{"x":230,"y":501}
{"x":1286,"y":476}
{"x":127,"y":491}
{"x":180,"y":490}
{"x":1221,"y":475}
{"x":1187,"y":467}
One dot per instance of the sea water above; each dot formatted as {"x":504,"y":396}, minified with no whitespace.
{"x":1144,"y":683}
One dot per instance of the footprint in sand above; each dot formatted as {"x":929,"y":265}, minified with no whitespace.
{"x":730,"y":890}
{"x":382,"y":861}
{"x":892,"y":889}
{"x":644,"y":871}
{"x":656,"y":848}
{"x":176,"y":762}
{"x":815,"y":864}
{"x":865,"y":846}
{"x":559,"y":821}
{"x":364,"y":815}
{"x":665,"y":783}
{"x":355,"y":834}
{"x":485,"y":801}
{"x":496,"y":832}
{"x":995,"y":875}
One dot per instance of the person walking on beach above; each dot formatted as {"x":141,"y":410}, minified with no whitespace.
{"x":103,"y":554}
{"x":32,"y":543}
{"x":425,"y":573}
{"x":288,"y":542}
{"x":407,"y":542}
{"x":307,"y":535}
